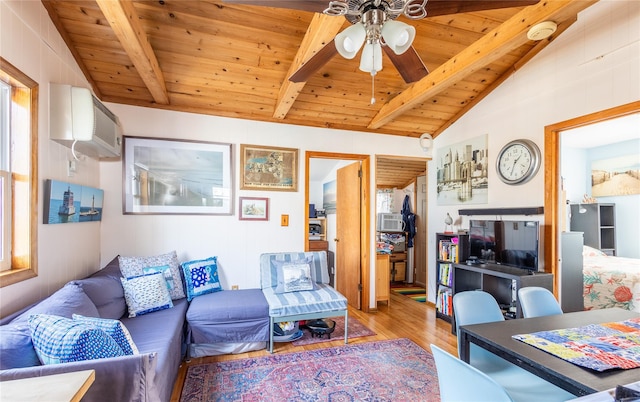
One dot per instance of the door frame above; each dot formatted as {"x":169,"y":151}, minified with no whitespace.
{"x":365,"y":216}
{"x":553,"y":180}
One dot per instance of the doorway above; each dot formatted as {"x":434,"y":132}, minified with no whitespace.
{"x":360,"y":296}
{"x":553,"y":208}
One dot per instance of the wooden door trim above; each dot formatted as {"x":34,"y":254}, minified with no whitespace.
{"x":552,"y":179}
{"x":365,"y":238}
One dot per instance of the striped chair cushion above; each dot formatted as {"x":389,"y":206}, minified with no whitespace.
{"x":325,"y":298}
{"x":268,"y":271}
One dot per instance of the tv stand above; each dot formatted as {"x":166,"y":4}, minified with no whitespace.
{"x":501,"y":281}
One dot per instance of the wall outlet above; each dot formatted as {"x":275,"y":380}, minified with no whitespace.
{"x":234,"y":287}
{"x":71,"y":168}
{"x":284,"y":220}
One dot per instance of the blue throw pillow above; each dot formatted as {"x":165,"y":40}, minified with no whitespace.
{"x":135,"y":266}
{"x":114,"y":329}
{"x":201,"y":277}
{"x":16,"y":348}
{"x":294,"y":276}
{"x":146,"y":294}
{"x":65,"y":302}
{"x":62,"y":340}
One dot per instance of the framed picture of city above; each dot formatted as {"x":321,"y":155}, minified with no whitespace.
{"x":462,"y":172}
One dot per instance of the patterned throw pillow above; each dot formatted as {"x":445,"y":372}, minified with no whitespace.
{"x":294,"y":276}
{"x":146,"y":294}
{"x":201,"y":277}
{"x":135,"y":266}
{"x":63,"y":340}
{"x":114,"y":329}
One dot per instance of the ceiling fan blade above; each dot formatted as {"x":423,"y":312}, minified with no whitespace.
{"x":408,"y":64}
{"x":444,"y":7}
{"x":316,"y":61}
{"x":314,"y":6}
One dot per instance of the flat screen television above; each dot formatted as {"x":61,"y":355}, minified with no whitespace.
{"x":506,"y":242}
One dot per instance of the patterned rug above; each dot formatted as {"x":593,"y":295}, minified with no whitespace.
{"x":391,"y":370}
{"x":356,"y":330}
{"x":416,"y":293}
{"x":599,"y":347}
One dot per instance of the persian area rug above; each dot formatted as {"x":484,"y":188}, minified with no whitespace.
{"x":356,"y":330}
{"x":600,"y":347}
{"x":416,"y":293}
{"x":391,"y":370}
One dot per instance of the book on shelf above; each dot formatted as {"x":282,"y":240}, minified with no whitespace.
{"x":447,"y":251}
{"x":446,"y":277}
{"x":444,"y":300}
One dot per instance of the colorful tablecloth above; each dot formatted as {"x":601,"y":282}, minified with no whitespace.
{"x":599,"y":347}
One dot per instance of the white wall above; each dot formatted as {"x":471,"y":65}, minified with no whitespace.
{"x":594,"y":65}
{"x":237,"y":244}
{"x":30,"y":42}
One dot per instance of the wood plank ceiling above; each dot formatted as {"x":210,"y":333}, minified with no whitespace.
{"x":233,"y":60}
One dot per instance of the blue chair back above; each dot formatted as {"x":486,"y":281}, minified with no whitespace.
{"x":475,"y":307}
{"x":458,"y":381}
{"x":537,"y":302}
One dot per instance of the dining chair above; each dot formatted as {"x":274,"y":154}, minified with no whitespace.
{"x":478,"y":307}
{"x":537,"y":301}
{"x":459,"y":381}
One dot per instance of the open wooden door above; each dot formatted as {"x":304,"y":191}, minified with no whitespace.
{"x":348,"y":240}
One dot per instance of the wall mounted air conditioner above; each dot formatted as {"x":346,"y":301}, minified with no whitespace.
{"x":78,"y":120}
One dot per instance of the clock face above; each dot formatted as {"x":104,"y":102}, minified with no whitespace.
{"x":518,"y":162}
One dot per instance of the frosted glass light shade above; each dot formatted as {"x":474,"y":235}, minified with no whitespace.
{"x":398,"y":35}
{"x":349,"y":41}
{"x":371,"y":61}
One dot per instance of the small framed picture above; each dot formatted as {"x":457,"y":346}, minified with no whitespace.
{"x":254,"y":209}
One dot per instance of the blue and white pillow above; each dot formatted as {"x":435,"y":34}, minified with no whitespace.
{"x":294,"y":276}
{"x":114,"y":329}
{"x":201,"y":277}
{"x":146,"y":293}
{"x":62,"y":340}
{"x":166,"y":272}
{"x":135,"y":266}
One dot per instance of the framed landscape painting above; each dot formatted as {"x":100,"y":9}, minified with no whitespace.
{"x":163,"y":176}
{"x":254,"y":209}
{"x":266,"y":168}
{"x":67,"y":203}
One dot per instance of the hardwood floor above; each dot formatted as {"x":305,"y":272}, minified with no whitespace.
{"x":402,"y":318}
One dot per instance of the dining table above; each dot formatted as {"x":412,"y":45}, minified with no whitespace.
{"x":497,"y":337}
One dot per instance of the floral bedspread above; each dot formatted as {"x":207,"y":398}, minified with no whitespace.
{"x":611,"y":282}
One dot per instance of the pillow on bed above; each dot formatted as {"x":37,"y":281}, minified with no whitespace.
{"x":294,"y":276}
{"x":592,"y":252}
{"x":136,"y":266}
{"x":201,"y":277}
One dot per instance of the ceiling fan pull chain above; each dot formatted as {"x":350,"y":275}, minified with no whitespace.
{"x":373,"y":88}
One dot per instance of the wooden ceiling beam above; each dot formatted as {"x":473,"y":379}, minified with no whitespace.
{"x":125,"y":23}
{"x":498,"y":42}
{"x":322,"y":29}
{"x":515,"y":67}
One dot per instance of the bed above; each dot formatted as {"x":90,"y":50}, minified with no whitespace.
{"x":610,"y":281}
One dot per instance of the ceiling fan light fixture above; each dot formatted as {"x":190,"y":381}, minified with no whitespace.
{"x":349,"y":41}
{"x":398,"y":35}
{"x":371,"y":60}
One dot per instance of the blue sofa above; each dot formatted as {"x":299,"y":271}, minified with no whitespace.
{"x":159,"y":337}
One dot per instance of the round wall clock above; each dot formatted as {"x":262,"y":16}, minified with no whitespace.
{"x":518,"y":161}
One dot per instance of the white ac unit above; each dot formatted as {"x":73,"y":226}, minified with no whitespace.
{"x":78,"y":120}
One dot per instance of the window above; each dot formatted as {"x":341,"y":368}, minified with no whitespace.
{"x":18,"y":175}
{"x":384,"y":200}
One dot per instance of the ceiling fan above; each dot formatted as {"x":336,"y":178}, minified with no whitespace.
{"x":374,"y":25}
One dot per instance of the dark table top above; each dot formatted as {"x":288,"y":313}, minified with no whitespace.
{"x":496,"y":337}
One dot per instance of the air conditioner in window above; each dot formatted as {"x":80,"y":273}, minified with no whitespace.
{"x":78,"y":120}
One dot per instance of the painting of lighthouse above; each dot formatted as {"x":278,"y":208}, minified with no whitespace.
{"x":68,"y":202}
